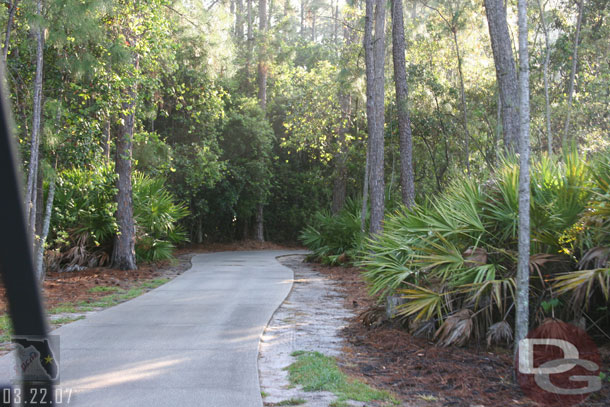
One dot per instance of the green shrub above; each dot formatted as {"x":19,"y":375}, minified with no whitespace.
{"x":157,"y":216}
{"x":459,"y":250}
{"x":84,"y":224}
{"x":335,"y":239}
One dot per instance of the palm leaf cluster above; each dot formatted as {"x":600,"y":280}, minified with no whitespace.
{"x":453,"y":259}
{"x":335,"y":239}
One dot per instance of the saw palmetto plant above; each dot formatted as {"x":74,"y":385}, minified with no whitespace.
{"x":453,"y":260}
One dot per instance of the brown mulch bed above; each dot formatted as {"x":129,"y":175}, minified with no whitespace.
{"x":420,"y":373}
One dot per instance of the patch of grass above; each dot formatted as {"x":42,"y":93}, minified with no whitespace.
{"x":130,"y":294}
{"x":66,"y":320}
{"x":155,"y":283}
{"x":316,"y":372}
{"x":103,"y":289}
{"x":291,"y":402}
{"x":66,"y":308}
{"x":6,"y":328}
{"x":264,"y":394}
{"x":339,"y":403}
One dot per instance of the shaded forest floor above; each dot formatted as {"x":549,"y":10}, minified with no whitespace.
{"x":386,"y":356}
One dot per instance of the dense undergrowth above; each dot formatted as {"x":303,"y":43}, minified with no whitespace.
{"x":84,"y":223}
{"x":452,"y":260}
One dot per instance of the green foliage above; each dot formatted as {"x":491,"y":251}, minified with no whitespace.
{"x":460,"y":249}
{"x":6,"y":328}
{"x":335,"y":239}
{"x":157,"y":215}
{"x":84,"y":217}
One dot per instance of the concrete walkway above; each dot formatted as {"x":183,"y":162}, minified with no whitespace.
{"x":191,"y":342}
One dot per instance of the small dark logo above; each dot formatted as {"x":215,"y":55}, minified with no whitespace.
{"x":558,"y":364}
{"x":36,"y":358}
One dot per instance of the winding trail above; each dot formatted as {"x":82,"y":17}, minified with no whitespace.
{"x":191,"y":342}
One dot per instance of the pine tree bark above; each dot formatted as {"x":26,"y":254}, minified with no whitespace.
{"x":402,"y":94}
{"x":566,"y":128}
{"x":523,"y":271}
{"x":506,"y":72}
{"x":239,"y":20}
{"x":124,"y":254}
{"x":374,"y":46}
{"x":365,"y":193}
{"x":31,"y":193}
{"x":262,"y":98}
{"x":545,"y":72}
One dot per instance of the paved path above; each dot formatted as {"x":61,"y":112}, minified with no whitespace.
{"x":191,"y":342}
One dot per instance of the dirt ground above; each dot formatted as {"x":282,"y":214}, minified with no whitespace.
{"x":387,"y":356}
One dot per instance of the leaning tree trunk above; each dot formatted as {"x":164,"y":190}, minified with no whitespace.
{"x":523,"y":270}
{"x":124,"y":254}
{"x":374,"y":47}
{"x":262,"y":99}
{"x":506,"y":73}
{"x":566,"y":129}
{"x":31,"y":193}
{"x":404,"y":123}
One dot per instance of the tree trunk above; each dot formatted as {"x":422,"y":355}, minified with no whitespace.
{"x":107,"y":141}
{"x":239,"y":20}
{"x":402,"y":106}
{"x":31,"y":194}
{"x":302,"y":23}
{"x":374,"y":47}
{"x":250,"y":38}
{"x":545,"y":70}
{"x":270,"y":13}
{"x":566,"y":129}
{"x":365,"y":193}
{"x":340,"y":181}
{"x":9,"y":26}
{"x":262,"y":58}
{"x":123,"y":254}
{"x":523,"y":271}
{"x":259,"y":224}
{"x":262,"y":98}
{"x":313,"y":25}
{"x":40,"y":270}
{"x":506,"y":72}
{"x":463,"y":100}
{"x":39,"y":200}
